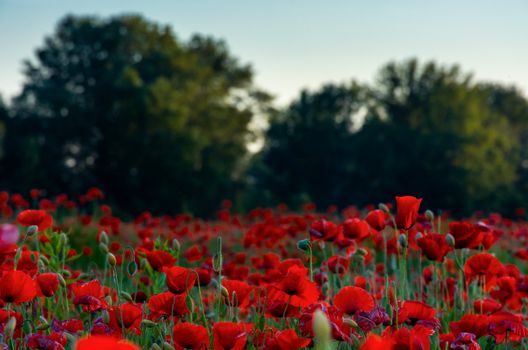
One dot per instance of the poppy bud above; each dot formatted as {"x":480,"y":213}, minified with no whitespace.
{"x":450,"y":240}
{"x":403,"y":240}
{"x":176,"y":245}
{"x":10,"y":327}
{"x":322,"y":330}
{"x":350,"y":322}
{"x":27,"y":328}
{"x":217,"y":262}
{"x":155,"y":347}
{"x":361,"y":252}
{"x":42,"y":326}
{"x":148,"y":323}
{"x":167,"y":346}
{"x":66,"y":273}
{"x":303,"y":244}
{"x":33,"y":229}
{"x":418,"y":235}
{"x":106,"y":316}
{"x":33,"y":257}
{"x":127,"y":297}
{"x":61,"y":279}
{"x":63,"y":239}
{"x":112,"y":261}
{"x":44,"y":260}
{"x":103,"y":248}
{"x":224,"y":291}
{"x":132,"y":268}
{"x":103,"y":238}
{"x":384,"y":208}
{"x":429,"y":215}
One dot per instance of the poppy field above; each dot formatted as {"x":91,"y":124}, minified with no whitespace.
{"x":393,"y":276}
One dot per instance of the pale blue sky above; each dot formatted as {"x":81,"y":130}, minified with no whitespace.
{"x":301,"y":43}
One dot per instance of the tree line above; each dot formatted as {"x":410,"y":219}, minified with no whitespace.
{"x":163,"y":124}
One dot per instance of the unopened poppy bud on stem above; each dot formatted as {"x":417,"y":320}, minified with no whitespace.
{"x":103,"y":238}
{"x":148,"y":323}
{"x":429,"y":215}
{"x":103,"y":248}
{"x":418,"y":236}
{"x":383,"y":208}
{"x":176,"y":245}
{"x":10,"y":327}
{"x":33,"y":229}
{"x":155,"y":347}
{"x":127,"y":297}
{"x":224,"y":291}
{"x":322,"y":331}
{"x":112,"y":261}
{"x":167,"y":346}
{"x":403,"y":240}
{"x":450,"y":240}
{"x":303,"y":244}
{"x":350,"y":322}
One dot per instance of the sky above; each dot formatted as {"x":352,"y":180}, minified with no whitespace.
{"x":295,"y":44}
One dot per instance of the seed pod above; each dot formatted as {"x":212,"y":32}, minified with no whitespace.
{"x":322,"y":330}
{"x":224,"y":291}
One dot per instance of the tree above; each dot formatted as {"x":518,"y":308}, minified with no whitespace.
{"x":121,"y":103}
{"x":308,"y":145}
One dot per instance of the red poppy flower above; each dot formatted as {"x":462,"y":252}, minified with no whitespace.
{"x":104,"y":343}
{"x":54,"y":341}
{"x":160,"y":259}
{"x":229,"y":336}
{"x":356,"y":229}
{"x":125,"y":316}
{"x":90,"y":295}
{"x":323,"y":229}
{"x":466,"y":234}
{"x":434,"y":246}
{"x":416,"y":312}
{"x":407,"y":211}
{"x":415,"y":338}
{"x":475,"y":324}
{"x":286,"y":340}
{"x":237,"y":293}
{"x":47,"y":284}
{"x":180,"y":279}
{"x":484,"y":267}
{"x":168,"y":305}
{"x":190,"y":336}
{"x":507,"y":326}
{"x":296,"y":288}
{"x":17,"y":287}
{"x":377,"y":219}
{"x":352,"y":299}
{"x":40,"y":218}
{"x":375,"y":342}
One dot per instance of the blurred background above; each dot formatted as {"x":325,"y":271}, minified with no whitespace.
{"x":174,"y":106}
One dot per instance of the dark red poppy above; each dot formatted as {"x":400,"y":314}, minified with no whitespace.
{"x":229,"y":336}
{"x":104,"y":343}
{"x":352,"y":299}
{"x":90,"y":295}
{"x":286,"y":340}
{"x":474,"y":324}
{"x":168,"y":305}
{"x":47,"y":284}
{"x":434,"y":246}
{"x":160,"y":259}
{"x":324,"y":230}
{"x":180,"y":279}
{"x":190,"y":336}
{"x":507,"y":326}
{"x":39,"y":218}
{"x":483,"y":266}
{"x":466,"y":234}
{"x":296,"y":288}
{"x":377,"y":219}
{"x":54,"y":341}
{"x":415,"y":312}
{"x":356,"y":229}
{"x":407,"y":211}
{"x":17,"y":287}
{"x":126,"y":316}
{"x":237,"y":293}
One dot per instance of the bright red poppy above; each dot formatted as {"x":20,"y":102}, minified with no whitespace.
{"x":47,"y":284}
{"x":190,"y":336}
{"x":104,"y":343}
{"x":407,"y":211}
{"x":17,"y":287}
{"x":39,"y":218}
{"x":180,"y":279}
{"x":229,"y":336}
{"x":352,"y":299}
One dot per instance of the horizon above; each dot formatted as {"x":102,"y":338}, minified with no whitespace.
{"x":349,"y":41}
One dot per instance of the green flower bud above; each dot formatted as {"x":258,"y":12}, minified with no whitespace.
{"x":403,"y":240}
{"x":429,"y":215}
{"x":383,"y":208}
{"x":450,"y":240}
{"x":10,"y":327}
{"x":418,"y":236}
{"x":217,"y":262}
{"x":33,"y":229}
{"x":148,"y":323}
{"x":132,"y":268}
{"x":322,"y":330}
{"x":112,"y":261}
{"x":103,"y":238}
{"x":127,"y":297}
{"x":304,"y":245}
{"x":167,"y":346}
{"x":103,"y":248}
